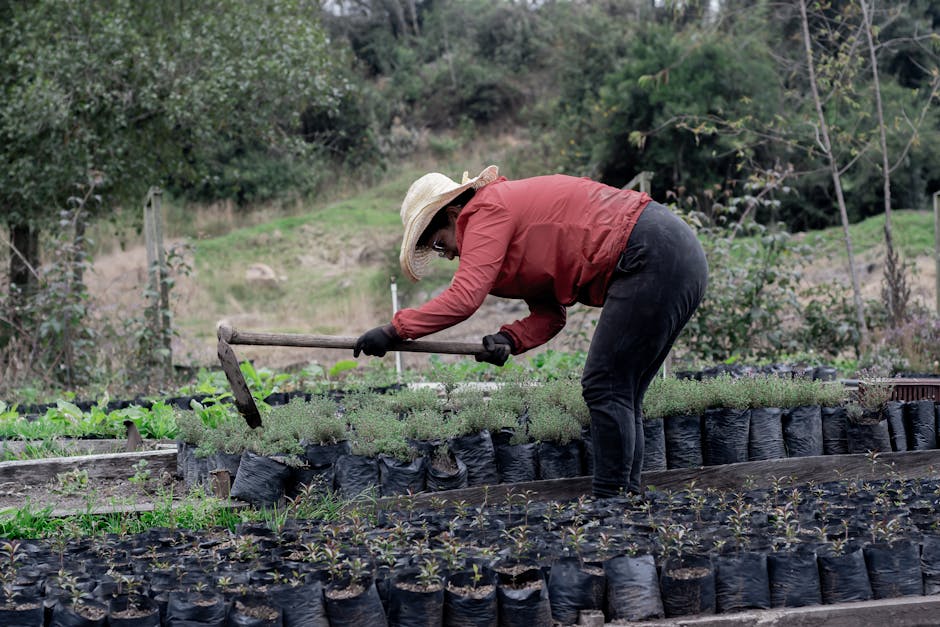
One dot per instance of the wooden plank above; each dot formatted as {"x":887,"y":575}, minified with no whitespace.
{"x":234,"y":336}
{"x":104,"y":510}
{"x":744,"y":475}
{"x":103,"y":467}
{"x":899,"y":612}
{"x":903,"y":465}
{"x":77,"y":446}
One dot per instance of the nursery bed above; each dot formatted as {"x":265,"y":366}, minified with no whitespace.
{"x":90,"y":483}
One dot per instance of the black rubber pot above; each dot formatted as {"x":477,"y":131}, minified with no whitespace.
{"x":633,"y":589}
{"x":688,"y":586}
{"x":765,"y":435}
{"x":802,"y":431}
{"x":412,"y":604}
{"x":794,"y":579}
{"x":354,"y":604}
{"x":844,"y":577}
{"x":725,"y":436}
{"x":302,"y":605}
{"x":654,"y":444}
{"x":920,"y":422}
{"x":897,"y":430}
{"x":683,"y":435}
{"x":522,"y":598}
{"x":355,"y":475}
{"x":260,"y":480}
{"x":479,"y":455}
{"x":559,"y":461}
{"x":574,"y":586}
{"x":402,"y":477}
{"x":741,"y":582}
{"x":870,"y":434}
{"x":835,"y":440}
{"x":894,"y":569}
{"x":515,"y":463}
{"x":469,"y":602}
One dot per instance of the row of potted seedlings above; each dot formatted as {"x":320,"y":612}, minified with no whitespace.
{"x":517,"y":561}
{"x":411,"y":440}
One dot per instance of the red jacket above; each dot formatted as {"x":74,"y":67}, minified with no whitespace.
{"x":549,"y":240}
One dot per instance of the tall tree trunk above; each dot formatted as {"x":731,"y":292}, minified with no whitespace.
{"x":836,"y":178}
{"x":895,"y":290}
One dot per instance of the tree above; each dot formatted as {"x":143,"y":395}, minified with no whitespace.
{"x":119,"y":95}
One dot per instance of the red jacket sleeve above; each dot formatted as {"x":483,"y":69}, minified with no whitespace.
{"x":543,"y":323}
{"x":482,"y":250}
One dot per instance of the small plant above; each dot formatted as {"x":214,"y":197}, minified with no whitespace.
{"x":142,"y":474}
{"x":869,"y":401}
{"x":71,"y":482}
{"x":429,"y":574}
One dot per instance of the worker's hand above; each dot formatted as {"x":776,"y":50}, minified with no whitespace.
{"x":496,"y":349}
{"x":377,"y":341}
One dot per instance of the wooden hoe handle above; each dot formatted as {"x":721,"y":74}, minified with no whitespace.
{"x":234,"y":336}
{"x":243,"y":400}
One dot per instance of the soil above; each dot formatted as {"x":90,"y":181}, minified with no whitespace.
{"x":95,"y":495}
{"x":479,"y":592}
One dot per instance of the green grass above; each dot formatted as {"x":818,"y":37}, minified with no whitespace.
{"x":913,"y":233}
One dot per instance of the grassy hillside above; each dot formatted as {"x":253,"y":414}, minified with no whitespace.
{"x":333,"y":259}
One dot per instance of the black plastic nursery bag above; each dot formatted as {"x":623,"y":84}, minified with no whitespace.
{"x":355,"y":474}
{"x":572,"y":587}
{"x":439,"y":479}
{"x":894,"y":569}
{"x":195,"y":608}
{"x":794,"y":579}
{"x":741,"y":582}
{"x":559,"y":461}
{"x":22,"y":612}
{"x":683,"y":435}
{"x":133,"y":612}
{"x":802,"y":431}
{"x":920,"y":420}
{"x":260,"y":480}
{"x":515,"y":463}
{"x":302,"y":606}
{"x":868,"y":436}
{"x":765,"y":438}
{"x":468,"y":603}
{"x":834,"y":431}
{"x":410,"y":605}
{"x":633,"y":588}
{"x":897,"y":429}
{"x":930,"y":563}
{"x":354,"y":604}
{"x":522,"y":599}
{"x":654,"y":444}
{"x":844,"y":577}
{"x":688,"y":586}
{"x":402,"y":477}
{"x":725,"y":435}
{"x":82,"y":614}
{"x":478,"y":453}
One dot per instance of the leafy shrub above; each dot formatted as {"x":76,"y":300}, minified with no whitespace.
{"x":410,"y":399}
{"x":566,"y":393}
{"x":428,"y":425}
{"x":229,"y":436}
{"x":668,"y":396}
{"x":486,"y":415}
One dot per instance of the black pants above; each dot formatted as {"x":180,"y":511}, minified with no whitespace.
{"x":659,"y":282}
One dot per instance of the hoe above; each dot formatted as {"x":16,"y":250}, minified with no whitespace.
{"x":229,"y":336}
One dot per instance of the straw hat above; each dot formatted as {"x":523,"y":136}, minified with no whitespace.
{"x":426,"y":196}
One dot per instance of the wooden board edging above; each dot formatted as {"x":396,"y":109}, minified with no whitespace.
{"x":105,"y":466}
{"x":743,"y":475}
{"x":898,"y":612}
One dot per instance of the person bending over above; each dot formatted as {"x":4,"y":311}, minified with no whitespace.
{"x":553,"y":241}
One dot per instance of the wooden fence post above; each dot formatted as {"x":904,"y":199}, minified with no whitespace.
{"x":936,"y":247}
{"x":158,"y":292}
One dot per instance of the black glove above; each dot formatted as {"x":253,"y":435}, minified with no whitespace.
{"x":496,"y":349}
{"x":377,"y":341}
